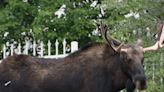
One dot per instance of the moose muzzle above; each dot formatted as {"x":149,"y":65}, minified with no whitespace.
{"x":140,"y":82}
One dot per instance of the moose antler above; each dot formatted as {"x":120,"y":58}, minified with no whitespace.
{"x":160,"y":39}
{"x":103,"y":30}
{"x":152,"y":48}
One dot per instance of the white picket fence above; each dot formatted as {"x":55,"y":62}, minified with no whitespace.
{"x":19,"y":49}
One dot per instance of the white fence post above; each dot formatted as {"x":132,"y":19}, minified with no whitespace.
{"x":19,"y":48}
{"x":74,"y":46}
{"x":34,"y":48}
{"x":4,"y":51}
{"x":12,"y":49}
{"x":26,"y":48}
{"x":49,"y":48}
{"x":57,"y":47}
{"x":64,"y":46}
{"x":42,"y":49}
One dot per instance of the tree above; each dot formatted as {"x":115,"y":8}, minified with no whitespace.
{"x":18,"y":17}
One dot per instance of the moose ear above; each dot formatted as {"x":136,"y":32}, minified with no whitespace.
{"x":139,"y":42}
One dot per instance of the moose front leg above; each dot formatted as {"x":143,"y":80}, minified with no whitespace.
{"x":130,"y":87}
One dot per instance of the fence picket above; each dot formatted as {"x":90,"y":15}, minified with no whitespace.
{"x":42,"y":49}
{"x":26,"y":48}
{"x":4,"y":51}
{"x":34,"y":48}
{"x":49,"y":48}
{"x":19,"y":48}
{"x":74,"y":46}
{"x":64,"y":46}
{"x":57,"y":47}
{"x":11,"y":49}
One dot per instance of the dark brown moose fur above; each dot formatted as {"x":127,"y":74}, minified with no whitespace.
{"x":93,"y":68}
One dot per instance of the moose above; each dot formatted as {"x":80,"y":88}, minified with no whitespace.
{"x":108,"y":66}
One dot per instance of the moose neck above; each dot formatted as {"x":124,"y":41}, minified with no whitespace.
{"x":113,"y":63}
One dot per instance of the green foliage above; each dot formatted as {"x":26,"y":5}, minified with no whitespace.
{"x":154,"y":71}
{"x":19,"y":16}
{"x":148,"y":11}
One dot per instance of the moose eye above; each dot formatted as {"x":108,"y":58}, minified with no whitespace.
{"x":129,"y":60}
